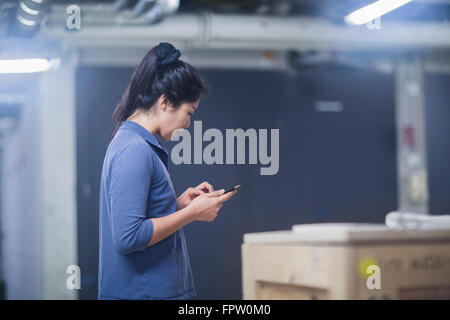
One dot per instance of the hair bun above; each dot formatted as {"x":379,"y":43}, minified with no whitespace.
{"x":167,"y":53}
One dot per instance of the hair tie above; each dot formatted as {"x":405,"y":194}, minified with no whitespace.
{"x":167,"y":53}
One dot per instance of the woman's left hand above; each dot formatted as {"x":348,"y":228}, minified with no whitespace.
{"x":191,"y":193}
{"x":205,"y":187}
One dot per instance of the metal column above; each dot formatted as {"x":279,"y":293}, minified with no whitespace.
{"x":411,"y":142}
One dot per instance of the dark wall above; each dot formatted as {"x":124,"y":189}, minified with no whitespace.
{"x":438,"y":142}
{"x":334,"y":166}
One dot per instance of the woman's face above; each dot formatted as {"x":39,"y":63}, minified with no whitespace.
{"x":175,"y":119}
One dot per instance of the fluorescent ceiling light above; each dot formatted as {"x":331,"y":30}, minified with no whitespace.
{"x":27,"y":65}
{"x":373,"y":11}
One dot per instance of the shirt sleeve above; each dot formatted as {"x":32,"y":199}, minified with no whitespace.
{"x":130,"y":180}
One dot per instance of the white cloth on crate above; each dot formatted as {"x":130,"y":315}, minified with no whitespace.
{"x":408,"y":220}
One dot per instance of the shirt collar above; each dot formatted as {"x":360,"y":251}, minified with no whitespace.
{"x":144,"y":133}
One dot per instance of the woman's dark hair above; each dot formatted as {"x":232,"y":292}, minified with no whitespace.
{"x":160,"y":72}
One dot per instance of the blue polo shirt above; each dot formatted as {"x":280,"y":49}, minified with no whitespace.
{"x":135,"y":186}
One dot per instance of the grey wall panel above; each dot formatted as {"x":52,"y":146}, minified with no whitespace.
{"x":21,"y":229}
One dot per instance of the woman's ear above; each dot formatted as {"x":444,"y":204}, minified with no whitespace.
{"x":163,"y":103}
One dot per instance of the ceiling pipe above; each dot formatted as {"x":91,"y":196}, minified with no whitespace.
{"x":103,"y":27}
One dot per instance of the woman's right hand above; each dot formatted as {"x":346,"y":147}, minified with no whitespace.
{"x":207,"y":205}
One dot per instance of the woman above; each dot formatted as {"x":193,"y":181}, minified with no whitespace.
{"x":143,"y":252}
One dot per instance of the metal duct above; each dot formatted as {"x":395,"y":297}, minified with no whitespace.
{"x":161,"y":9}
{"x":121,"y":4}
{"x":153,"y":11}
{"x":29,"y":15}
{"x":143,"y":5}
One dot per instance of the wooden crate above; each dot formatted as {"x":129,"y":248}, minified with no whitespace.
{"x":413,"y":264}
